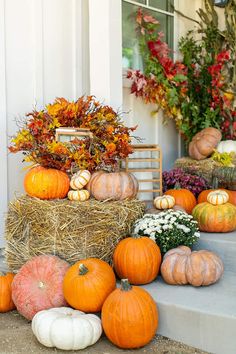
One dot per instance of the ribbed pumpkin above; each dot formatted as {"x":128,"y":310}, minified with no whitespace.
{"x":6,"y":303}
{"x":129,"y":316}
{"x":204,"y":143}
{"x":87,"y":284}
{"x":80,"y":179}
{"x":46,"y":183}
{"x":38,"y":285}
{"x":180,"y":266}
{"x":80,"y":195}
{"x":113,"y":185}
{"x":137,"y":258}
{"x":184,"y":198}
{"x":218,"y":197}
{"x":164,"y":202}
{"x":215,"y":218}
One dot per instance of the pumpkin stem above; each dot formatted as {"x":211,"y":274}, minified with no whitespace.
{"x":82,"y":269}
{"x":177,"y":185}
{"x":135,"y":236}
{"x":215,"y":182}
{"x":125,"y":285}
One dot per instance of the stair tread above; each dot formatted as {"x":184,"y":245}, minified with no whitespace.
{"x":219,"y":237}
{"x":217,"y":299}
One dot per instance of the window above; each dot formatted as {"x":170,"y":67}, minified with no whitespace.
{"x":162,"y":10}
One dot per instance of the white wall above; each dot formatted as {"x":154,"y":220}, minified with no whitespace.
{"x":43,"y":55}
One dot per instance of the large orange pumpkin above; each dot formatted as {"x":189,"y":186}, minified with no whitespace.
{"x":46,"y":183}
{"x":184,"y":198}
{"x":137,"y":258}
{"x":87,"y":284}
{"x":215,"y":218}
{"x":204,"y":143}
{"x":113,"y":185}
{"x":129,"y":316}
{"x":6,"y":303}
{"x":180,"y":266}
{"x":38,"y":285}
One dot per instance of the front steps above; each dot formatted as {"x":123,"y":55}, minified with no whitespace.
{"x":203,"y":317}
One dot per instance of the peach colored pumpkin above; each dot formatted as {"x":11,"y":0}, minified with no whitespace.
{"x":180,"y":266}
{"x":38,"y":285}
{"x":204,"y":143}
{"x":113,"y":185}
{"x":46,"y":183}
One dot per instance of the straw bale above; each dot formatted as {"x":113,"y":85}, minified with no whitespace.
{"x":70,"y":230}
{"x":205,"y":168}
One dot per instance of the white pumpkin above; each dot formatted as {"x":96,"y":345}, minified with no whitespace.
{"x":80,"y":179}
{"x":164,"y":202}
{"x":80,"y":195}
{"x":218,"y":197}
{"x":227,"y":146}
{"x":66,"y":328}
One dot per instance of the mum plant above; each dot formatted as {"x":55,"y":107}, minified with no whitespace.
{"x":169,"y":229}
{"x":198,"y":91}
{"x":36,"y":137}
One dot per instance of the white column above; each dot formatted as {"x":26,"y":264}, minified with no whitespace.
{"x":105,"y":44}
{"x":3,"y":124}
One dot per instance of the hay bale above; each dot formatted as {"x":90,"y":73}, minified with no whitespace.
{"x":205,"y":168}
{"x":70,"y":230}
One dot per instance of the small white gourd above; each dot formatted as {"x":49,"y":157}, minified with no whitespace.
{"x":227,"y":146}
{"x":80,"y":179}
{"x":79,"y":195}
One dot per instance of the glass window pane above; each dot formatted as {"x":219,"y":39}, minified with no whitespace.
{"x":142,"y":1}
{"x":131,"y":57}
{"x":165,"y":5}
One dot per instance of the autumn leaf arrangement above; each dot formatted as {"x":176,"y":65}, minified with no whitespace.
{"x":199,"y":91}
{"x":111,"y":140}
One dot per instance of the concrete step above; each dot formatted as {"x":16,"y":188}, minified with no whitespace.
{"x":224,"y":244}
{"x":203,"y":317}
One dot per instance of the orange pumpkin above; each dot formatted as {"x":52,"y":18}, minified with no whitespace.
{"x":184,"y":198}
{"x":113,"y":185}
{"x":137,"y":258}
{"x":129,"y":316}
{"x":6,"y":303}
{"x":87,"y":284}
{"x":38,"y":285}
{"x":204,"y":194}
{"x":215,"y":218}
{"x":46,"y":183}
{"x":204,"y":143}
{"x":180,"y":266}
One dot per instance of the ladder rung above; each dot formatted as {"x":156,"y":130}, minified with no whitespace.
{"x":149,"y":190}
{"x":149,"y":180}
{"x":142,"y":159}
{"x":146,"y":149}
{"x":143,"y":170}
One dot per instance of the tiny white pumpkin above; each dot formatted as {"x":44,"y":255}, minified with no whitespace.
{"x":227,"y":146}
{"x":66,"y":328}
{"x":218,"y":197}
{"x":80,"y":179}
{"x":79,"y":195}
{"x":164,"y":202}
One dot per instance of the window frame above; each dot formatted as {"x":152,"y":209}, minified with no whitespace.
{"x":126,"y":82}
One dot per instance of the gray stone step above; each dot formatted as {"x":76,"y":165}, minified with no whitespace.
{"x":224,"y":244}
{"x":203,"y":317}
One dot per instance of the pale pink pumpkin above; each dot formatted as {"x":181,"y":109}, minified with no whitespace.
{"x":38,"y":285}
